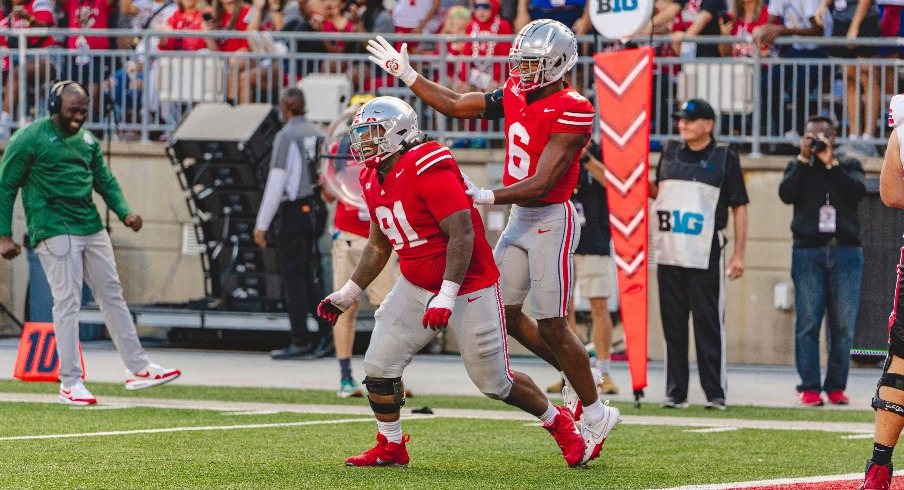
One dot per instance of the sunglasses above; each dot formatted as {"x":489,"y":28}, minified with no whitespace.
{"x":482,"y":6}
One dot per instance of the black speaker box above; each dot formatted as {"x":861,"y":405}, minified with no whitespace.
{"x":221,"y":132}
{"x":241,"y":228}
{"x":247,"y":259}
{"x":252,"y":286}
{"x":239,"y":203}
{"x":230,"y":176}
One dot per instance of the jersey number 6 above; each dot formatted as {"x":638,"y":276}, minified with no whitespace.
{"x":518,"y":164}
{"x":387,"y":219}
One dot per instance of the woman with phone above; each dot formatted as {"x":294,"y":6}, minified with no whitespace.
{"x":24,"y":14}
{"x":188,"y":17}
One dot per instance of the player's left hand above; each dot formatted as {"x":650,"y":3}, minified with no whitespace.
{"x":133,"y":221}
{"x":439,"y":309}
{"x":394,"y":62}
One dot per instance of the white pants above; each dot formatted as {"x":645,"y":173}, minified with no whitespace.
{"x":67,"y":260}
{"x":478,"y":322}
{"x":534,"y":255}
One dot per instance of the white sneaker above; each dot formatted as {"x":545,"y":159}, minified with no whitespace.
{"x":595,"y":435}
{"x":571,"y":397}
{"x":76,"y":394}
{"x":152,"y":375}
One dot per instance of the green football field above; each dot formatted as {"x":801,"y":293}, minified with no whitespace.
{"x":263,"y":438}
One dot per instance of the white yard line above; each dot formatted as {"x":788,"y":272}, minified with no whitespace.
{"x":765,"y":483}
{"x":184,"y":429}
{"x":364,"y":410}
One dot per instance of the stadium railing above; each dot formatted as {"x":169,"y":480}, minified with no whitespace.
{"x":758,"y":103}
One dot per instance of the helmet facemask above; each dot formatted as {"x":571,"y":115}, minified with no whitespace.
{"x":369,"y":144}
{"x":530,"y":71}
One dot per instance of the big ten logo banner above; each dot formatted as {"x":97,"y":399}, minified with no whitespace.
{"x":624,"y":90}
{"x":37,"y":359}
{"x":620,"y":19}
{"x":688,"y":223}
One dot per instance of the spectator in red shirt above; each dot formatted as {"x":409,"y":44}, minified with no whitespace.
{"x":265,"y":75}
{"x":485,"y":76}
{"x":749,"y":14}
{"x":23,"y":14}
{"x":90,"y":71}
{"x":188,"y":17}
{"x":231,"y":15}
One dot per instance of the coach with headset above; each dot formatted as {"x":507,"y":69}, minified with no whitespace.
{"x":58,"y":165}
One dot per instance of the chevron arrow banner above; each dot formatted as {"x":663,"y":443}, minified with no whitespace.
{"x":624,"y":86}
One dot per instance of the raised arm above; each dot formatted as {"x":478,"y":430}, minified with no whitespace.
{"x":440,"y":98}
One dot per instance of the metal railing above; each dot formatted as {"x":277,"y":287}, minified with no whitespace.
{"x":142,"y":94}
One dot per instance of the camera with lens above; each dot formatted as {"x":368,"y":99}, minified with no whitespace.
{"x":817,"y":145}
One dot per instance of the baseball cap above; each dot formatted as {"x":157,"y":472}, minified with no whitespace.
{"x":695,"y":109}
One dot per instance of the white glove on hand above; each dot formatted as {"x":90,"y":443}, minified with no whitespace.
{"x":394,"y":62}
{"x":480,"y":195}
{"x":335,"y":304}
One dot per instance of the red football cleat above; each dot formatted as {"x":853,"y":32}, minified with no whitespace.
{"x":385,"y":453}
{"x":877,"y":477}
{"x":567,"y":437}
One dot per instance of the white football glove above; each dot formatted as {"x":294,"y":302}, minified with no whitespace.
{"x":335,"y":304}
{"x":394,"y":62}
{"x":480,"y":195}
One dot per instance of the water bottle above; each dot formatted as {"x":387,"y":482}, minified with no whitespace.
{"x":82,"y":50}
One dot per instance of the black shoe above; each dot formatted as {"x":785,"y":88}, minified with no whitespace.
{"x":324,"y":348}
{"x":305,"y":351}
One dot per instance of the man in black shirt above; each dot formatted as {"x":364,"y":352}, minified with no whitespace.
{"x":703,"y":17}
{"x":826,"y":261}
{"x":696,"y":182}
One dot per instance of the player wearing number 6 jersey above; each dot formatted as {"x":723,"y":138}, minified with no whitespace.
{"x":547,"y":124}
{"x":415,"y":195}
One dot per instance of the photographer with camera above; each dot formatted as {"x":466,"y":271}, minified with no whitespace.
{"x":827,"y":260}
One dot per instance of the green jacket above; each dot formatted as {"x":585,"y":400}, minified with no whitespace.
{"x":57,"y":174}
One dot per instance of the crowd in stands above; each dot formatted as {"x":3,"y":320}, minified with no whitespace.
{"x":756,"y":24}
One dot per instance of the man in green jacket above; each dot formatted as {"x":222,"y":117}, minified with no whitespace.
{"x":58,"y":164}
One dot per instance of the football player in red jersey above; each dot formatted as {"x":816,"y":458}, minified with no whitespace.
{"x":547,"y":124}
{"x":415,"y":195}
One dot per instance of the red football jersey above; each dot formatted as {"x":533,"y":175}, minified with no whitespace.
{"x":42,"y":11}
{"x":527,"y":130}
{"x":423,"y":188}
{"x":89,"y":14}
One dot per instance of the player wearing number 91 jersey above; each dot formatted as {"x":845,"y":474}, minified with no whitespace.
{"x":547,"y":125}
{"x":416,"y":197}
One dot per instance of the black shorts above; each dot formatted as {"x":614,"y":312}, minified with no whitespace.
{"x":869,"y":28}
{"x":896,"y":319}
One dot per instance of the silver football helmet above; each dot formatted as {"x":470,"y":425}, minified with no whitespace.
{"x":542,"y":53}
{"x":380,"y":128}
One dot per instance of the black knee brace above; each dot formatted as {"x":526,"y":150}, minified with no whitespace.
{"x":385,"y":387}
{"x":892,"y":380}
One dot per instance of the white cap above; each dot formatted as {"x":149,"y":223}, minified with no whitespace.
{"x":896,"y":111}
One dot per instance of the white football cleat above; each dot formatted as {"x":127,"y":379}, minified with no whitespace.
{"x":152,"y":375}
{"x":571,"y":397}
{"x":76,"y":394}
{"x":595,"y":434}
